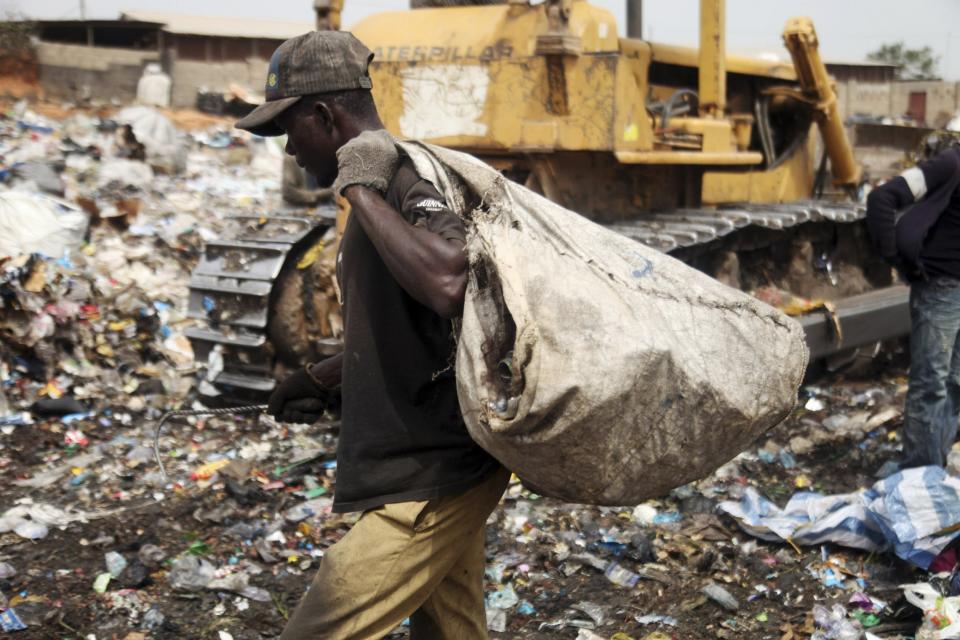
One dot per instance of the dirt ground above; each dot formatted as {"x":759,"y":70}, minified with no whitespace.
{"x":774,"y":584}
{"x":109,"y":549}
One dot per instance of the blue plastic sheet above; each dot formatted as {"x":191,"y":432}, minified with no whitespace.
{"x":914,"y":513}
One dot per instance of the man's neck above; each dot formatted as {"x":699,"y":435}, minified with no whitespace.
{"x":355,"y":127}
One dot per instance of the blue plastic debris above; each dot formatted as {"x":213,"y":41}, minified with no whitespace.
{"x":667,"y":517}
{"x":910,"y":513}
{"x":787,"y":459}
{"x":10,"y":621}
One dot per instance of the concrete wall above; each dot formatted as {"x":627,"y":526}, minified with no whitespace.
{"x":860,"y":97}
{"x":190,"y":76}
{"x":77,"y":72}
{"x":103,"y":74}
{"x":893,"y":99}
{"x":941,"y":99}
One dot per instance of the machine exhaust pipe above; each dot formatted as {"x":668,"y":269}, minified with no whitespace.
{"x":635,"y":19}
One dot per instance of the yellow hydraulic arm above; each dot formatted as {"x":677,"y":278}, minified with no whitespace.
{"x":712,"y":58}
{"x":328,"y":14}
{"x":800,"y":38}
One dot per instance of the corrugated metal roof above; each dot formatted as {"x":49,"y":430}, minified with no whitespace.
{"x":224,"y":27}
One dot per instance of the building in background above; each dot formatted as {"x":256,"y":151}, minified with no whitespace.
{"x":103,"y":59}
{"x":871,"y":91}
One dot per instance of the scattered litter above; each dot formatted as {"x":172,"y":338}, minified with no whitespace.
{"x":620,"y":576}
{"x":93,"y":349}
{"x":721,"y":596}
{"x":7,"y":570}
{"x":657,"y":619}
{"x":10,"y":621}
{"x":833,"y":624}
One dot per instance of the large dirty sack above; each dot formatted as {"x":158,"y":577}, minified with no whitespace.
{"x":628,"y":373}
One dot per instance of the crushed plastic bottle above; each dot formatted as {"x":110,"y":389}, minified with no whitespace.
{"x":721,"y":596}
{"x":153,"y":619}
{"x":31,"y":530}
{"x":620,"y":576}
{"x":256,"y":594}
{"x":308,"y":509}
{"x":833,"y":624}
{"x":190,"y":573}
{"x":115,"y":562}
{"x":151,"y":555}
{"x":7,"y":570}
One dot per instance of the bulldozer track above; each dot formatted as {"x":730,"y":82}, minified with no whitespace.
{"x":230,"y":294}
{"x":683,"y":228}
{"x":232,"y":286}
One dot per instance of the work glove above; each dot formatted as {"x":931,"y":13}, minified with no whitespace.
{"x":299,"y":398}
{"x":370,"y":160}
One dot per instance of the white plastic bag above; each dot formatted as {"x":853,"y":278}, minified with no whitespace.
{"x":597,"y":369}
{"x":35,"y":223}
{"x":166,"y":147}
{"x":941,"y":616}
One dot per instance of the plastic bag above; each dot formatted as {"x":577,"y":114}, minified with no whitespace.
{"x":833,"y":624}
{"x":35,"y":223}
{"x":597,"y":369}
{"x":941,"y":615}
{"x":166,"y":147}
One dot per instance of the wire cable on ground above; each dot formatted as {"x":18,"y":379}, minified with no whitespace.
{"x":181,"y":413}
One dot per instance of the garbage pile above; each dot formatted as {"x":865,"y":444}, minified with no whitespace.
{"x":96,"y":543}
{"x":101,"y":221}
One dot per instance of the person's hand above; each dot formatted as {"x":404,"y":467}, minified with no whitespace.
{"x":370,"y":160}
{"x":299,"y":398}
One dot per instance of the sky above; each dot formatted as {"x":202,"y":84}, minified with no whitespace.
{"x":848,"y":29}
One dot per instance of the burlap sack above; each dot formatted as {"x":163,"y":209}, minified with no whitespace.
{"x":597,"y":369}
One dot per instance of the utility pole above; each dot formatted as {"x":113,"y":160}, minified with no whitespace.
{"x":83,"y":9}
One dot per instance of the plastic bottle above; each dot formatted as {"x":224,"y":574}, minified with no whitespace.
{"x":620,"y":576}
{"x":115,"y":562}
{"x":721,"y":596}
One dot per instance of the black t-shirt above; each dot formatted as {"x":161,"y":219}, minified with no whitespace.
{"x":402,"y":436}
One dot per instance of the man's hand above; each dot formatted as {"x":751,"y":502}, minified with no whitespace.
{"x":299,"y":398}
{"x":370,"y":160}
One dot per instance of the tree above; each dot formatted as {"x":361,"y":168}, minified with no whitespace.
{"x":914,"y":64}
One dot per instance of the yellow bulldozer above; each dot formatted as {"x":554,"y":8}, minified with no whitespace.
{"x":712,"y":157}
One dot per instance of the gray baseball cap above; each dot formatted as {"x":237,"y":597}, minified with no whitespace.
{"x":316,"y":62}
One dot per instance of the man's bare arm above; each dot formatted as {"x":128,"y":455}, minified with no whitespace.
{"x":431,"y":269}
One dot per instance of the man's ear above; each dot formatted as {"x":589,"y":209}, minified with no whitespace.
{"x":324,"y":115}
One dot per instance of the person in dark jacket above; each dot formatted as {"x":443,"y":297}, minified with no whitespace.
{"x":914,"y":221}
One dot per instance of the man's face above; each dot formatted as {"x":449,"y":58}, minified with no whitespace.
{"x":312,"y":139}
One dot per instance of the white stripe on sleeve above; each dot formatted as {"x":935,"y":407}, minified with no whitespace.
{"x":916,"y":182}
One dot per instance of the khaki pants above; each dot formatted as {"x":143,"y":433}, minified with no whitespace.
{"x":422,"y":560}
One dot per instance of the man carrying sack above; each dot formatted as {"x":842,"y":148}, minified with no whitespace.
{"x":404,"y":458}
